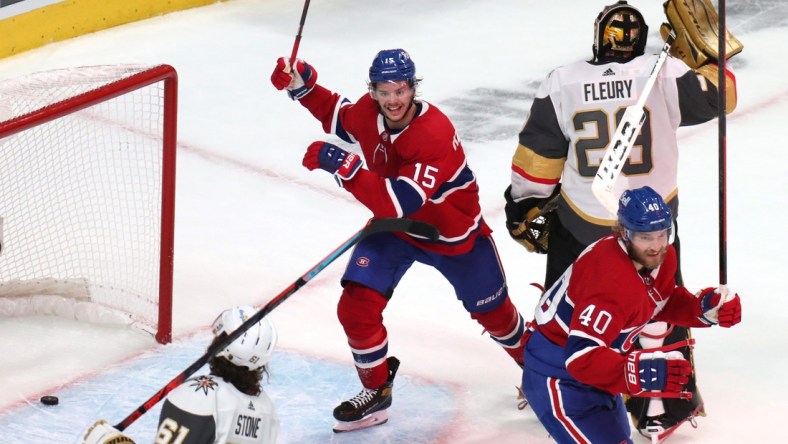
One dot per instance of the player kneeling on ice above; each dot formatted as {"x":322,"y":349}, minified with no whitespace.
{"x":227,"y":405}
{"x":580,"y":358}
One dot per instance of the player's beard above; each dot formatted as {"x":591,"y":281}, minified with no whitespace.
{"x":648,"y":258}
{"x":388,"y":116}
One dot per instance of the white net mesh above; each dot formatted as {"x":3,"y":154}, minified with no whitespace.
{"x":81,"y":195}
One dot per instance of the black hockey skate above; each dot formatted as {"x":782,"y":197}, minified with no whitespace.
{"x":369,"y":407}
{"x":658,"y":428}
{"x":654,"y":427}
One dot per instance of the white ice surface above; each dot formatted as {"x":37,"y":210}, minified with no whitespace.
{"x":250,"y":219}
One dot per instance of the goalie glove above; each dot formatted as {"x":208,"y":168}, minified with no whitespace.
{"x":103,"y":433}
{"x":696,"y":25}
{"x":720,"y":306}
{"x":656,"y":371}
{"x":528,"y":221}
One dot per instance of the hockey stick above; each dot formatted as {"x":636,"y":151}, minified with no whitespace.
{"x":628,"y":128}
{"x":297,"y":41}
{"x":416,"y":228}
{"x":721,"y":103}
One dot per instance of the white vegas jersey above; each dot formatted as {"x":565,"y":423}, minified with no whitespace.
{"x":573,"y":118}
{"x":208,"y":410}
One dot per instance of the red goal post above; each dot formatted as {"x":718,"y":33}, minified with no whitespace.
{"x":87,"y":194}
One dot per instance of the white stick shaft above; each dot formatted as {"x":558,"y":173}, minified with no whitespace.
{"x":624,"y":138}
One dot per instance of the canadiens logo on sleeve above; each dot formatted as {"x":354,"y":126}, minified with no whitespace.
{"x":626,"y":339}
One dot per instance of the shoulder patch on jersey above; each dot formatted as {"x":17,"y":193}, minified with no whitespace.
{"x":204,"y":383}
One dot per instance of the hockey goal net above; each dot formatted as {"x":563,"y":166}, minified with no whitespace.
{"x":87,"y":184}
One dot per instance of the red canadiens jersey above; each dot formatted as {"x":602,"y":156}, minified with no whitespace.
{"x":419,"y":172}
{"x":597,"y":309}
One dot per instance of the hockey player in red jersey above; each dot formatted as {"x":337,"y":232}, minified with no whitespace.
{"x":415,"y":168}
{"x":581,"y":356}
{"x":228,"y":405}
{"x":571,"y":122}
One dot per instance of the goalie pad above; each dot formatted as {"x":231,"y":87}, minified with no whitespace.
{"x":675,"y":410}
{"x":696,"y":25}
{"x":103,"y":433}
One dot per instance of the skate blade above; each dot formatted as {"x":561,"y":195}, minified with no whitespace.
{"x":374,"y":419}
{"x":665,"y":433}
{"x":659,"y":435}
{"x":662,"y":434}
{"x":521,"y":401}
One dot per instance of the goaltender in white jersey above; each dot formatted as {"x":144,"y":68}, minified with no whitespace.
{"x":574,"y":116}
{"x":226,"y":406}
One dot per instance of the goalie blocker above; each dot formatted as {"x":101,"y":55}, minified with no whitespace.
{"x":529,"y":220}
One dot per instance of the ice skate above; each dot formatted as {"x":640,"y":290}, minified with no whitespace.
{"x":658,"y":428}
{"x":369,"y":407}
{"x":521,"y":401}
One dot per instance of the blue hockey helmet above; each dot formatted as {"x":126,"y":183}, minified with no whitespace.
{"x":643,"y":210}
{"x":392,"y":65}
{"x":620,"y":33}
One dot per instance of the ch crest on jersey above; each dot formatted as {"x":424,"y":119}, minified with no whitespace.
{"x":203,"y":383}
{"x":626,"y":340}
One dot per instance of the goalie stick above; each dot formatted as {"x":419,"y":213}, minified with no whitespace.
{"x":416,"y":228}
{"x":722,"y":149}
{"x":628,"y":128}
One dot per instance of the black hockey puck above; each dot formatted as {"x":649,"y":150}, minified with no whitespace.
{"x":49,"y":400}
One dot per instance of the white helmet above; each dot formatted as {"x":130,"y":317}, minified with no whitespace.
{"x":253,"y":349}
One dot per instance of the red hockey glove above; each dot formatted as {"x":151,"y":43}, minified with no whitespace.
{"x":299,"y":82}
{"x":720,"y":306}
{"x":342,"y":164}
{"x":659,"y":371}
{"x":281,"y":77}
